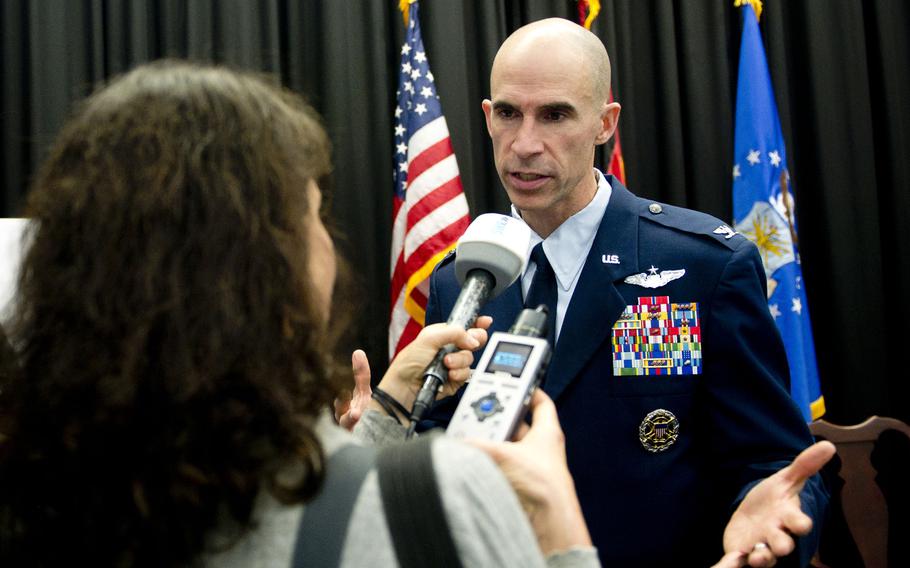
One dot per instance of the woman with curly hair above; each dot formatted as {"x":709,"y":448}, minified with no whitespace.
{"x":169,"y":405}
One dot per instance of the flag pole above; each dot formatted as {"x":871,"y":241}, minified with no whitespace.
{"x":587,"y":12}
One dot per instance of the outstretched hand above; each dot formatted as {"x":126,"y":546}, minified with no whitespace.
{"x":734,"y":559}
{"x":349,"y":406}
{"x":762,"y":528}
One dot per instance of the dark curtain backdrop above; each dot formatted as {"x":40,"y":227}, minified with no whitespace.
{"x":839,"y":68}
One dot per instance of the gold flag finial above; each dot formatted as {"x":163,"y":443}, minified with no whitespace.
{"x":593,"y":10}
{"x":756,"y":6}
{"x":404,"y":6}
{"x":587,"y":11}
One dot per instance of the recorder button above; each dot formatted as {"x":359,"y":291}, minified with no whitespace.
{"x":486,"y":406}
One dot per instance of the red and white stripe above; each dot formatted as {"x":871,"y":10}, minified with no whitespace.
{"x":427,"y":225}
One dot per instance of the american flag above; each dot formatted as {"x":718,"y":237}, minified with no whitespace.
{"x":429,"y":209}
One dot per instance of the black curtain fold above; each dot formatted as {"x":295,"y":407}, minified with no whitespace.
{"x":839,"y":70}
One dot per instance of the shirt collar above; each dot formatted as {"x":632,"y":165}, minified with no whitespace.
{"x":568,"y":246}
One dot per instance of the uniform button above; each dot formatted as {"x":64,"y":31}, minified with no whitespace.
{"x":655,"y":208}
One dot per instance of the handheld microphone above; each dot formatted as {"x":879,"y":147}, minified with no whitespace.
{"x":531,"y":322}
{"x":489,"y":257}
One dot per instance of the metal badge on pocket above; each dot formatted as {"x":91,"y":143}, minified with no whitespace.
{"x":657,"y":337}
{"x":658,"y":431}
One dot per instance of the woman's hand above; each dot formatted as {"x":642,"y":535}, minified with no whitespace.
{"x":536,"y":467}
{"x":349,"y":406}
{"x":405,"y":374}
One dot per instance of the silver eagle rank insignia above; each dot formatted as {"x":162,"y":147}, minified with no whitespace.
{"x":726,"y":231}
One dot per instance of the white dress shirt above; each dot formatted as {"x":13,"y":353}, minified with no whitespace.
{"x":567,"y":247}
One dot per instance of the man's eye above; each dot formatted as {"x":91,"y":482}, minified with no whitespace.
{"x":554,"y":116}
{"x":505,"y":113}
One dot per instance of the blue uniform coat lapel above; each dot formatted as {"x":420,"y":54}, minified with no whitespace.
{"x":503,"y":309}
{"x":596,"y":304}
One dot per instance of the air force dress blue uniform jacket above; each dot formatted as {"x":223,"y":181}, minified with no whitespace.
{"x":650,"y":498}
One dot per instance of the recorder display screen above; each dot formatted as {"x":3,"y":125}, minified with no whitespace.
{"x":509,"y":358}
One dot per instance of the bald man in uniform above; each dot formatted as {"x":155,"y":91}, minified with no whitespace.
{"x":669,"y":375}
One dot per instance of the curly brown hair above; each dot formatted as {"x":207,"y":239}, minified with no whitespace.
{"x":172,"y":354}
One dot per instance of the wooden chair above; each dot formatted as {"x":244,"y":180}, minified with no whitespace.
{"x":864,"y":508}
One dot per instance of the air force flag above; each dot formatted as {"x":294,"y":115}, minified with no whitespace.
{"x":763,"y":211}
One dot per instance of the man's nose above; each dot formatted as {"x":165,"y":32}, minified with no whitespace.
{"x":527,"y":140}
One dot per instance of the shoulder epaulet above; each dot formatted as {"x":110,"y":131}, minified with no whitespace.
{"x":446,"y":260}
{"x":449,"y":257}
{"x":691,"y":221}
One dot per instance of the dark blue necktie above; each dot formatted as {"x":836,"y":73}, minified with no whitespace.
{"x":543,"y":289}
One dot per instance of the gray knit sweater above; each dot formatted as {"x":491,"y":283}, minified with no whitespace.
{"x":488,"y":525}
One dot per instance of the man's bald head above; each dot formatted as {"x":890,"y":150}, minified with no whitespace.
{"x":563,"y":38}
{"x":548,"y":111}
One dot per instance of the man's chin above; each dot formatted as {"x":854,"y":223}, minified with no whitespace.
{"x":523,"y":201}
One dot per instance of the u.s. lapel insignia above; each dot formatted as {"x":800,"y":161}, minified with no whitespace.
{"x":658,"y":431}
{"x":657,"y":337}
{"x":653,"y":279}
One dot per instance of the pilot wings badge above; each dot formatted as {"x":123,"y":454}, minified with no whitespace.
{"x":653,"y":279}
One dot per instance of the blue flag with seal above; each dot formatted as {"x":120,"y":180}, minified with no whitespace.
{"x":763,"y":211}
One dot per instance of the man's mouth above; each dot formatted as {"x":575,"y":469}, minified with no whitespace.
{"x":528,"y":181}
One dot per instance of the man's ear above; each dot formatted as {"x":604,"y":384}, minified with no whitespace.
{"x":487,"y":106}
{"x":609,"y":118}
